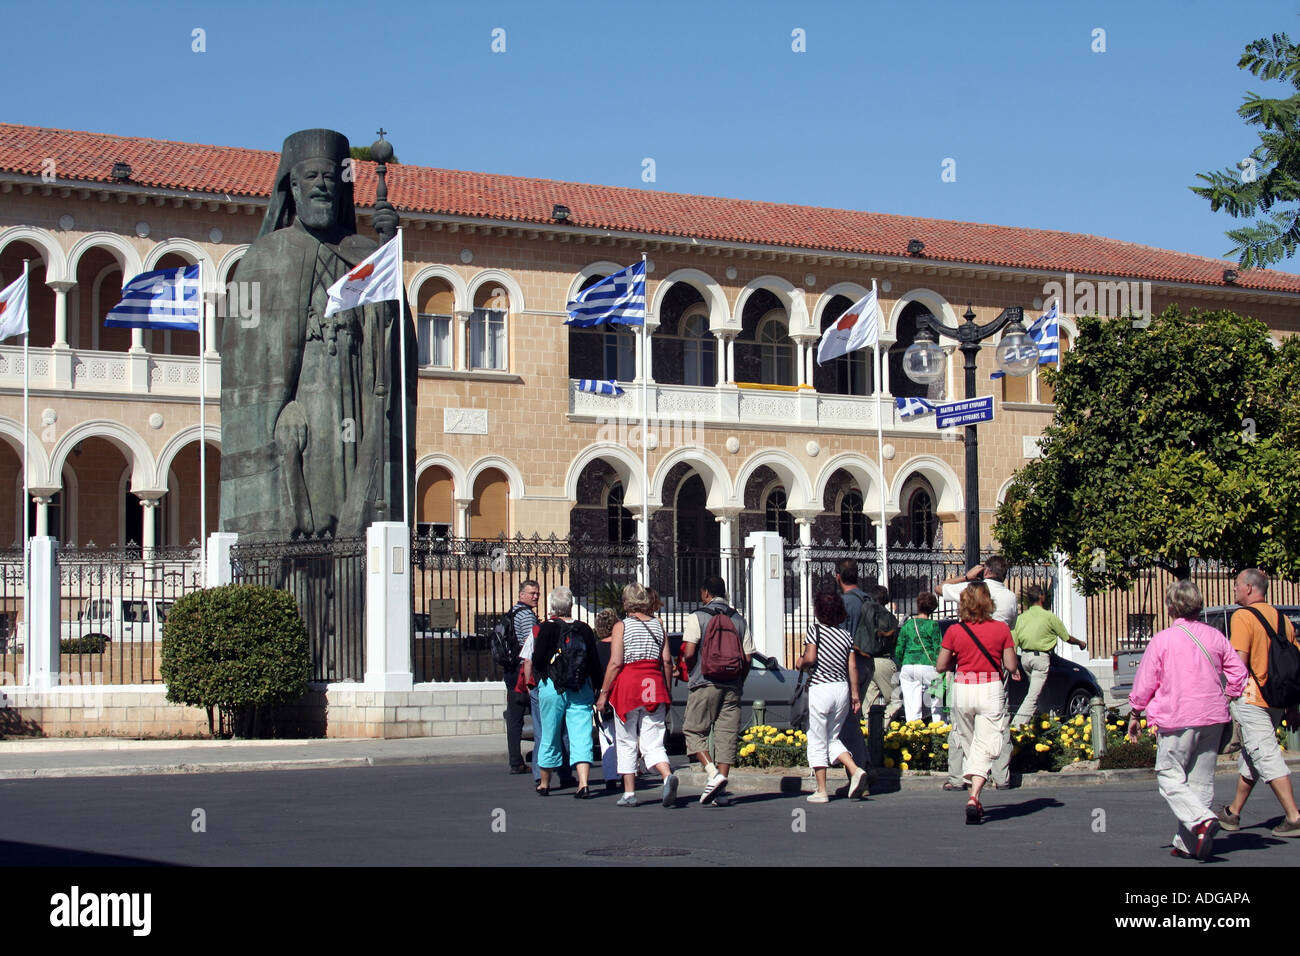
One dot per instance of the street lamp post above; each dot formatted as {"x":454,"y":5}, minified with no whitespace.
{"x":924,"y":363}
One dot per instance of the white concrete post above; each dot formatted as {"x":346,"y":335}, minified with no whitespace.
{"x":1072,"y":608}
{"x":388,"y":607}
{"x":43,"y":616}
{"x":767,"y":593}
{"x":219,"y":572}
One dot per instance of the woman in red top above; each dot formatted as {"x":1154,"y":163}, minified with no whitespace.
{"x":979,"y":649}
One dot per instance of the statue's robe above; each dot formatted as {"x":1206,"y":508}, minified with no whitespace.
{"x":302,"y":426}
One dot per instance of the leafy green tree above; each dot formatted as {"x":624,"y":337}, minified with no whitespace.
{"x":1267,"y":182}
{"x":1173,"y":442}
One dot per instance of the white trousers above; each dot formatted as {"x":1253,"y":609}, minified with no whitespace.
{"x":1035,"y":666}
{"x":1185,"y":775}
{"x":828,"y":705}
{"x":643,"y":730}
{"x":915,"y":681}
{"x":981,"y":715}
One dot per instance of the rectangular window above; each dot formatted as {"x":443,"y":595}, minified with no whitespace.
{"x":487,"y":339}
{"x":620,"y":357}
{"x":433,"y":333}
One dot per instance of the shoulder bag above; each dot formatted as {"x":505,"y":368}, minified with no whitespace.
{"x":1225,"y":734}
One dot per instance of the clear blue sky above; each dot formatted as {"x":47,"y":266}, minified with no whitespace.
{"x":1044,"y":131}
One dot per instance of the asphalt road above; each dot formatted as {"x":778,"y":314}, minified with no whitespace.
{"x":475,"y":815}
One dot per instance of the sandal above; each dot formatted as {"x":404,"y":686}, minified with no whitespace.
{"x":974,"y":813}
{"x":954,"y":786}
{"x":543,"y":791}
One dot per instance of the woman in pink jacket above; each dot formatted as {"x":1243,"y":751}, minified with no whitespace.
{"x":1188,"y":673}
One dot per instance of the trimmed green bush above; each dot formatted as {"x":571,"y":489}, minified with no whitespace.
{"x":93,"y":644}
{"x":1129,"y":755}
{"x":235,"y":649}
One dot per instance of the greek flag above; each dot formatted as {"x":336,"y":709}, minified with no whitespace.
{"x":618,"y":298}
{"x":1046,"y":333}
{"x":913,"y":407}
{"x":599,"y":386}
{"x":162,"y":299}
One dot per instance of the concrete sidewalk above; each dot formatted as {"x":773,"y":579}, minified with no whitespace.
{"x":115,"y":757}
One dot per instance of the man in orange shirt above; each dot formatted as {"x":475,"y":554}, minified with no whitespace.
{"x":1261,"y":757}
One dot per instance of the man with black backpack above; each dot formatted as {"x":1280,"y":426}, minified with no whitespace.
{"x":507,"y":641}
{"x":717,"y":647}
{"x":1266,"y":643}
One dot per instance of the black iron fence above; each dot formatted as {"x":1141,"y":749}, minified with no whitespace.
{"x":327,"y":577}
{"x":12,"y":616}
{"x":1127,"y":619}
{"x":462,"y":586}
{"x":113,"y":602}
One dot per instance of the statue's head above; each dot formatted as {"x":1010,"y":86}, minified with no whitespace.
{"x":313,"y":184}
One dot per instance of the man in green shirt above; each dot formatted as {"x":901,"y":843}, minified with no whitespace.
{"x":1036,"y":632}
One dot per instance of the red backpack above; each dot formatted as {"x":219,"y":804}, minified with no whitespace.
{"x":722,"y":655}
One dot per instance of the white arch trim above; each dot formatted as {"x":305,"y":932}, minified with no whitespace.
{"x":863,"y":470}
{"x":38,"y":460}
{"x":703,"y":283}
{"x":131,"y":445}
{"x":186,"y":436}
{"x":190,"y":249}
{"x":56,"y":262}
{"x":460,"y":293}
{"x":603,"y":268}
{"x":941,"y":476}
{"x":227,"y":264}
{"x":788,"y":468}
{"x":460,"y":484}
{"x":618,"y":457}
{"x":506,"y":467}
{"x":512,"y":288}
{"x":1002,"y":492}
{"x":850,"y":290}
{"x":932,"y":300}
{"x":127,"y":256}
{"x":711,"y":470}
{"x":791,"y":297}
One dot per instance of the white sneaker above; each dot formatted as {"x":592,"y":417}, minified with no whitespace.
{"x":858,"y":785}
{"x":713,"y":788}
{"x":627,"y":800}
{"x":670,"y":789}
{"x":818,"y":797}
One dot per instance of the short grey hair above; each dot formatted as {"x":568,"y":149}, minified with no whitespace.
{"x":560,"y":601}
{"x":1184,"y":600}
{"x":1256,"y":579}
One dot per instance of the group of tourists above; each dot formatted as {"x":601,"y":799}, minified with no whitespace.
{"x":1192,"y":684}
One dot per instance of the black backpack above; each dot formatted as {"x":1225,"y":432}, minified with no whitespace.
{"x":505,"y":648}
{"x":568,"y":668}
{"x":1282,"y":687}
{"x":871,"y":621}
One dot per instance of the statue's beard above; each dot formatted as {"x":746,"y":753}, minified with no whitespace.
{"x":317,"y":214}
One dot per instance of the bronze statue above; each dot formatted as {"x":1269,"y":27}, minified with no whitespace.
{"x":311,"y":420}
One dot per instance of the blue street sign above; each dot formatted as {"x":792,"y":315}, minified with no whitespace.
{"x":970,"y":411}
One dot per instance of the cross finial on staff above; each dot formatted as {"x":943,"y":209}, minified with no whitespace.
{"x":381,"y":132}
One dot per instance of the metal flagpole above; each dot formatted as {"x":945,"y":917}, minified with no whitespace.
{"x":880,"y":444}
{"x":27,"y":497}
{"x":401,"y":312}
{"x":203,"y":429}
{"x":645,"y":428}
{"x":1058,"y":334}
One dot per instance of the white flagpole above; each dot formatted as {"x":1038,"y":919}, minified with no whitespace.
{"x":645,"y":428}
{"x":401,"y":314}
{"x":880,"y":443}
{"x":203,"y":430}
{"x":27,"y":497}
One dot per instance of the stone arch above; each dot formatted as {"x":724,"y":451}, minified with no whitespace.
{"x":226,"y":267}
{"x":462,"y":485}
{"x":178,"y":441}
{"x":512,"y":288}
{"x":706,"y":286}
{"x":56,"y":262}
{"x":618,"y":457}
{"x":186,"y":248}
{"x":127,"y":256}
{"x":711,"y":471}
{"x":503,"y":465}
{"x":453,"y":278}
{"x":787,"y":293}
{"x":941,"y":476}
{"x":799,"y":494}
{"x":863,"y":470}
{"x":12,"y":432}
{"x":602,"y":268}
{"x":852,"y":291}
{"x":932,"y":300}
{"x":132,"y":446}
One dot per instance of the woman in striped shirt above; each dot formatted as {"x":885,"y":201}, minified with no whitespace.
{"x":636,"y":684}
{"x":828,"y":651}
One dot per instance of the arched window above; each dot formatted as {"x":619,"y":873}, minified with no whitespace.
{"x":778,"y":518}
{"x":699,"y":351}
{"x":622,"y":524}
{"x":900,"y":386}
{"x":776,"y":353}
{"x":433,"y":324}
{"x":853,"y":523}
{"x":920,"y":513}
{"x":487,"y":329}
{"x":849,"y":374}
